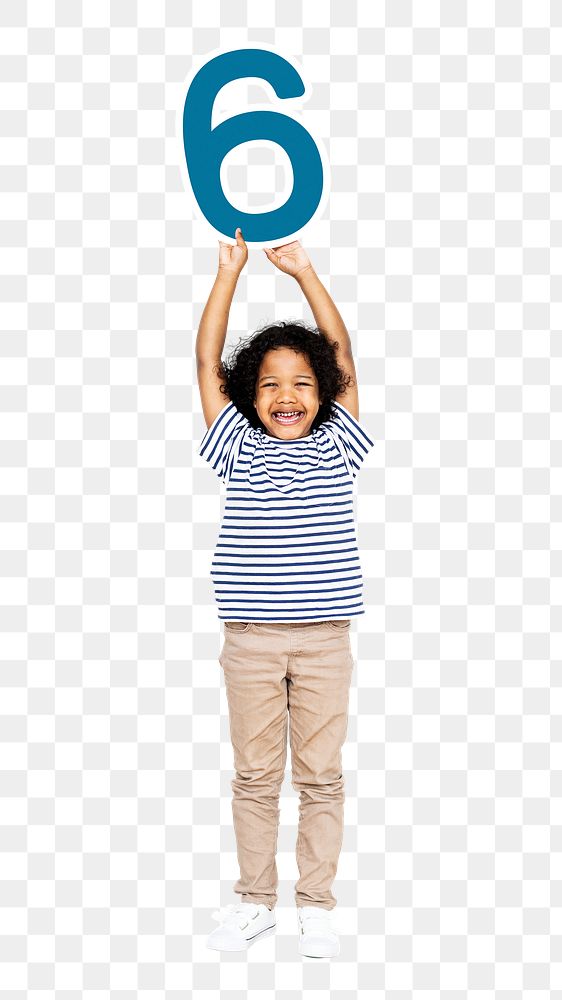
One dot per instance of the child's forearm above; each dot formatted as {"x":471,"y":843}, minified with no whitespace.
{"x":325,"y":311}
{"x":211,"y":334}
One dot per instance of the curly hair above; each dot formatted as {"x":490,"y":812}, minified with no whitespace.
{"x":240,"y":372}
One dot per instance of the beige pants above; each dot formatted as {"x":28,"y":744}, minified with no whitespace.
{"x":275,"y":671}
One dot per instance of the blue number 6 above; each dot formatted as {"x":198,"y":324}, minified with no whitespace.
{"x":205,"y":148}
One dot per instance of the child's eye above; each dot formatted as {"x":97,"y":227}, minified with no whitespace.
{"x":267,"y":384}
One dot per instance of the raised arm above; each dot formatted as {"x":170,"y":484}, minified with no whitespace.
{"x":294,"y":260}
{"x":325,"y":311}
{"x":213,"y":325}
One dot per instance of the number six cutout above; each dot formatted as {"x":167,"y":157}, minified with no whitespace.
{"x":205,"y":148}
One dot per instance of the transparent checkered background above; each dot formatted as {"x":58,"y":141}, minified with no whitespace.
{"x":441,"y":246}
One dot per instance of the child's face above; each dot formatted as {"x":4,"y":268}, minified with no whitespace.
{"x":286,"y":381}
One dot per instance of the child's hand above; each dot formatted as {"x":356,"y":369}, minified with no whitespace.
{"x":290,"y":258}
{"x":233,"y":258}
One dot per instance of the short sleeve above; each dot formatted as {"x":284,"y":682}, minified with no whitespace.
{"x":223,"y":440}
{"x":350,"y":438}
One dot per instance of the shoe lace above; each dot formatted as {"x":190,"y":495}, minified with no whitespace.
{"x":236,"y":914}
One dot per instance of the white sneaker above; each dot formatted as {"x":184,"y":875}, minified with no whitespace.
{"x":241,"y":925}
{"x":317,"y":936}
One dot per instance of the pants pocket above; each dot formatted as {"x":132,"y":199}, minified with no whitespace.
{"x":237,"y":626}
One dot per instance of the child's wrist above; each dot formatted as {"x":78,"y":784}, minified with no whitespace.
{"x":228,"y":276}
{"x":306,"y":273}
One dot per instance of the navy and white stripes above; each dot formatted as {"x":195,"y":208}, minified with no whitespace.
{"x":287,"y":548}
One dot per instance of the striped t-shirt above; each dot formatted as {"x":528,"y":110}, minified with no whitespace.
{"x":287,"y":548}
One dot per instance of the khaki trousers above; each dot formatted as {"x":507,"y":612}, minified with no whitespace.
{"x":275,"y":672}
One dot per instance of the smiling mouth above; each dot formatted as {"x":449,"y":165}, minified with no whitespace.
{"x":289,"y":417}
